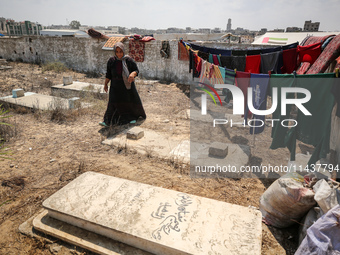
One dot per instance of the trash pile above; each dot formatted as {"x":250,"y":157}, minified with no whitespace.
{"x":311,"y":201}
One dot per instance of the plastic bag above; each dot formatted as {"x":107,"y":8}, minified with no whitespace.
{"x":323,"y":237}
{"x":286,"y":201}
{"x":325,"y":196}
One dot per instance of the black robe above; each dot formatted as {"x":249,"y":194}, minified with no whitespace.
{"x":124,"y":105}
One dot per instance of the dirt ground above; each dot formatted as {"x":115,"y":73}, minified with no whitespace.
{"x":47,"y":150}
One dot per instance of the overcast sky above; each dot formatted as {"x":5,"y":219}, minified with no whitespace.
{"x":161,"y":14}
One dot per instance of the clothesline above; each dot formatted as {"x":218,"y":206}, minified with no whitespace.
{"x":314,"y":129}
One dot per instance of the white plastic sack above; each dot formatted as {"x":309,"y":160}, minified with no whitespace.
{"x":312,"y":216}
{"x":286,"y":201}
{"x":323,"y":237}
{"x":325,"y":196}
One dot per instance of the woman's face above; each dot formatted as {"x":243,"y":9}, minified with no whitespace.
{"x":119,"y":52}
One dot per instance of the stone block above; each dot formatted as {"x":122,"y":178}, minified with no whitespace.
{"x":219,"y":150}
{"x":67,"y":80}
{"x":154,"y":219}
{"x":135,"y":133}
{"x":73,"y":103}
{"x":18,"y":93}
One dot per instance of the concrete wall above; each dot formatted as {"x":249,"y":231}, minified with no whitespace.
{"x":86,"y":55}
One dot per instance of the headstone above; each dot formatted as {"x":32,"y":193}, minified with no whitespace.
{"x":154,"y":219}
{"x":218,"y":150}
{"x":67,"y":80}
{"x":18,"y":93}
{"x":73,"y":103}
{"x":135,"y":133}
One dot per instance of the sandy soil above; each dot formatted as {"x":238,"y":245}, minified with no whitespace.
{"x":47,"y":152}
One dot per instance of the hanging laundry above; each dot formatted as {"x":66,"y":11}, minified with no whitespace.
{"x":290,"y":46}
{"x":239,"y":63}
{"x":271,"y":50}
{"x":200,"y":48}
{"x":239,"y":52}
{"x":278,"y":131}
{"x":219,"y":52}
{"x":303,"y":68}
{"x":309,"y":53}
{"x":227,"y":62}
{"x":165,"y":50}
{"x":211,"y":60}
{"x":289,"y":61}
{"x":253,"y":52}
{"x":336,"y":93}
{"x":205,"y":73}
{"x":183,"y":53}
{"x":269,"y":62}
{"x":315,"y":129}
{"x":330,"y":53}
{"x":203,"y":55}
{"x":259,"y":85}
{"x":242,"y":80}
{"x":279,"y":63}
{"x":216,"y":60}
{"x":218,"y":75}
{"x":228,"y":79}
{"x":253,"y":64}
{"x":136,"y":50}
{"x":326,"y":42}
{"x":309,"y":41}
{"x":229,"y":76}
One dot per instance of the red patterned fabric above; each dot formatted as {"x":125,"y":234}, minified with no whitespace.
{"x":311,"y":40}
{"x":303,"y":68}
{"x":136,"y":50}
{"x":329,"y":54}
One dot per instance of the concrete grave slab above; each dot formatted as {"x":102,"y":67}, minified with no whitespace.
{"x":76,"y":236}
{"x":154,"y":219}
{"x":238,"y":156}
{"x":37,"y":101}
{"x":196,"y":115}
{"x":79,"y":89}
{"x":153,"y":144}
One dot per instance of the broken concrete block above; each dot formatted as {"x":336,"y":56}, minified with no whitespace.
{"x":73,"y":103}
{"x":67,"y":80}
{"x":2,"y":61}
{"x":18,"y":93}
{"x":135,"y":133}
{"x":218,"y":150}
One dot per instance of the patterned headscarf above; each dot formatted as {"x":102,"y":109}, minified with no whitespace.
{"x":126,"y":72}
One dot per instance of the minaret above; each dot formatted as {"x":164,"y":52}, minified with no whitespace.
{"x":229,"y":25}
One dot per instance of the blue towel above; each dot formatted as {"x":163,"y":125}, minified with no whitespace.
{"x":259,"y":84}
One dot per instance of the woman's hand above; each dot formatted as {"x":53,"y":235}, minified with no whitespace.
{"x":106,"y":87}
{"x":131,"y":77}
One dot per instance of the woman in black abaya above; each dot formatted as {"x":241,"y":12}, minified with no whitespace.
{"x":124,"y":104}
